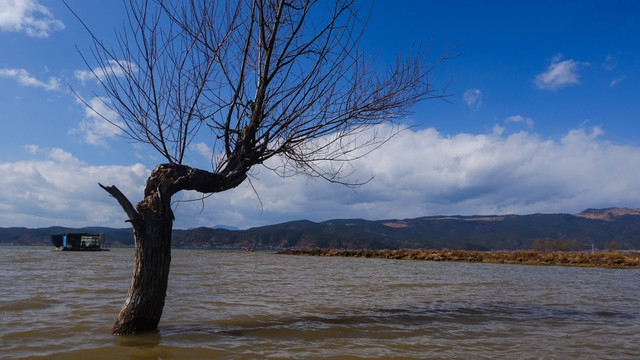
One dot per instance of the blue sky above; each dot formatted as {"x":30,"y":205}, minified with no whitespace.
{"x":544,"y":116}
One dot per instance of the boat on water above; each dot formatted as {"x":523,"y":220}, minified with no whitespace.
{"x":79,"y":242}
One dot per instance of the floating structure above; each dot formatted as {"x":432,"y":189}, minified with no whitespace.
{"x":79,"y":242}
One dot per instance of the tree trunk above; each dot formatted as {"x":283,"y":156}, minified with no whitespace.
{"x":143,"y":307}
{"x":152,"y":221}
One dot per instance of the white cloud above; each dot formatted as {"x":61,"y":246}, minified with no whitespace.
{"x":202,"y":149}
{"x":473,"y":98}
{"x":115,"y":68}
{"x":28,"y":16}
{"x":610,"y":62}
{"x":32,"y":149}
{"x":616,"y":81}
{"x":418,"y":173}
{"x":560,"y":73}
{"x":83,"y":75}
{"x":520,"y":119}
{"x":100,"y":122}
{"x":423,"y":173}
{"x":58,"y":189}
{"x":24,"y":78}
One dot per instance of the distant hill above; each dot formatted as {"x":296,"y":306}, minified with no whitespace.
{"x":593,"y":227}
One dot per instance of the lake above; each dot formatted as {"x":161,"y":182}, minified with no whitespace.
{"x":235,"y":305}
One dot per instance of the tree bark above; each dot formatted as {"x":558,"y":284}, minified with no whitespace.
{"x":145,"y":300}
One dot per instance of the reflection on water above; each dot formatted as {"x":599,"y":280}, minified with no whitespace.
{"x":256,"y":305}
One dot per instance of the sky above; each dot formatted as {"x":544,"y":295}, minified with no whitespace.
{"x":543,"y":117}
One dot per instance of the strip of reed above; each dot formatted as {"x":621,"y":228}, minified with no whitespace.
{"x":609,"y":259}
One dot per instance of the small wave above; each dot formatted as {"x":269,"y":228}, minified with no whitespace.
{"x":36,"y":302}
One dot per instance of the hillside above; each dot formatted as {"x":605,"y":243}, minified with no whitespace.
{"x":593,"y":227}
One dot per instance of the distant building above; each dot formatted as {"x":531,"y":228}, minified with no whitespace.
{"x":79,"y":242}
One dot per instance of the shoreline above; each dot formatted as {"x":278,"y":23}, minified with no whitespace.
{"x":609,"y":259}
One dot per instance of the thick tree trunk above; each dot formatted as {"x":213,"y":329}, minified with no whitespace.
{"x":143,"y":307}
{"x":152,"y":221}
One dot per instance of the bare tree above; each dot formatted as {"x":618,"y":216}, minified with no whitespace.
{"x":261,"y":79}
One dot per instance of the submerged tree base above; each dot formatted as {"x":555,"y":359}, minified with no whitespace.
{"x":616,"y":260}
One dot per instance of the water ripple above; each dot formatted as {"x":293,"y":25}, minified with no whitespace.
{"x":259,"y":306}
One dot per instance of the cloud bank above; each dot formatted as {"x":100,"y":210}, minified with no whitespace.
{"x":56,"y":188}
{"x":28,"y":16}
{"x":426,"y":173}
{"x":418,"y":173}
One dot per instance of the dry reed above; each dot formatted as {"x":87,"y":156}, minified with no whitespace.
{"x":609,"y":259}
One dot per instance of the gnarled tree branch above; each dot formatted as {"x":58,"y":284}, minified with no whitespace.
{"x":126,"y":205}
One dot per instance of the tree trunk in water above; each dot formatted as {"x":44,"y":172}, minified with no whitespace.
{"x":143,"y":307}
{"x":152,"y":222}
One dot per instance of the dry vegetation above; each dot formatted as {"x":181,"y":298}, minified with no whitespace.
{"x":610,"y":259}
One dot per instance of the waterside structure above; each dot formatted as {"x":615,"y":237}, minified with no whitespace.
{"x":79,"y":242}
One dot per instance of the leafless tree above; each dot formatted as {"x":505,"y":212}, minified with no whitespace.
{"x":260,"y":79}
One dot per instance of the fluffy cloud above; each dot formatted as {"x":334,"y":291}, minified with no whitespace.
{"x":203,"y":149}
{"x":24,"y":78}
{"x":473,"y":98}
{"x":417,"y":173}
{"x":100,"y":122}
{"x":560,"y":73}
{"x":520,"y":119}
{"x":58,"y":189}
{"x":28,"y":16}
{"x":425,"y":173}
{"x":115,"y":68}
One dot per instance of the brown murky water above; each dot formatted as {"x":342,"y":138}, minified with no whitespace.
{"x":60,"y":305}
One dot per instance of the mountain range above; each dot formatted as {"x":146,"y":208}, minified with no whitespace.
{"x":592,"y":228}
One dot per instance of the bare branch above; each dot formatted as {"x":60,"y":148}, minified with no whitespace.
{"x":266,"y":77}
{"x":126,"y":205}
